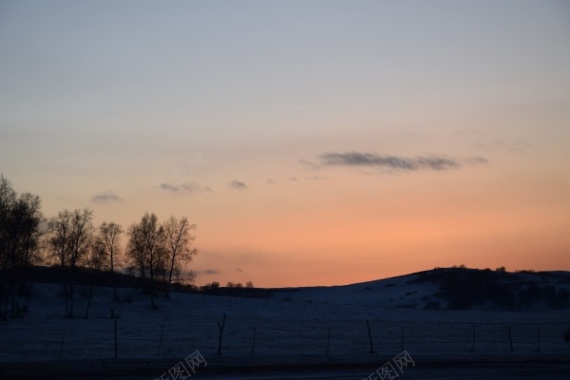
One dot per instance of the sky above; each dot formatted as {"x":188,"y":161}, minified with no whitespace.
{"x":311,"y":142}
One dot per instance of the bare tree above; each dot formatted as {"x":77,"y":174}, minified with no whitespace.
{"x":178,"y":242}
{"x":7,"y":201}
{"x":20,"y":219}
{"x":26,"y":219}
{"x":136,"y":252}
{"x":98,"y":259}
{"x":59,"y":231}
{"x":70,"y":240}
{"x":147,"y":251}
{"x":109,"y":234}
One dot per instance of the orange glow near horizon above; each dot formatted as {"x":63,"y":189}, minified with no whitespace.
{"x":348,"y":243}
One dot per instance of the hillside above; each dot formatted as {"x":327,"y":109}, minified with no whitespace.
{"x":354,"y":327}
{"x":454,"y":288}
{"x":449,"y":288}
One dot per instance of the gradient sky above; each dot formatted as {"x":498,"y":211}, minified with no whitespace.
{"x":311,"y":142}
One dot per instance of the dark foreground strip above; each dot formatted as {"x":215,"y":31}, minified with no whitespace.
{"x":152,"y":368}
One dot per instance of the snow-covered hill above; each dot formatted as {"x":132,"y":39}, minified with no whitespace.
{"x":350,"y":328}
{"x":305,"y":321}
{"x":448,"y":288}
{"x":400,"y":292}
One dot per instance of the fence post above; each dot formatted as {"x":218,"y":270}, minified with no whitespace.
{"x":538,"y":340}
{"x":115,"y":339}
{"x":370,"y":337}
{"x":61,"y":346}
{"x":510,"y":339}
{"x":160,"y":340}
{"x":221,"y":328}
{"x":253,"y":344}
{"x":473,"y":345}
{"x":328,"y":340}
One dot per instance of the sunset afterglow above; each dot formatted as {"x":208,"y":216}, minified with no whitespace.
{"x":312,"y":143}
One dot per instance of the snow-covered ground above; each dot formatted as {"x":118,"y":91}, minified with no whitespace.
{"x":310,"y":325}
{"x":389,"y":293}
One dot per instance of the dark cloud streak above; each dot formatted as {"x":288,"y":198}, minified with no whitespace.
{"x":207,"y":271}
{"x":238,"y":184}
{"x":184,"y":188}
{"x":397,"y":162}
{"x":106,"y":197}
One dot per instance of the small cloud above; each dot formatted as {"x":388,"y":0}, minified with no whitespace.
{"x":183,"y":188}
{"x":169,"y":187}
{"x":270,"y":181}
{"x":238,"y":185}
{"x":517,"y":145}
{"x":207,"y":271}
{"x":106,"y":197}
{"x":294,"y":179}
{"x":434,"y":163}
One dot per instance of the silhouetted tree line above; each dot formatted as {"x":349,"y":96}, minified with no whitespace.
{"x":464,"y":288}
{"x":20,"y":232}
{"x":156,"y":252}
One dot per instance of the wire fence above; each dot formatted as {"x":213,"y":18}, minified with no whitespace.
{"x":104,"y":338}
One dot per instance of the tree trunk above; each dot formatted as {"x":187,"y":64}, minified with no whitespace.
{"x":89,"y":298}
{"x":71,"y":292}
{"x":170,"y":277}
{"x":3,"y":302}
{"x":152,"y":304}
{"x":113,"y":281}
{"x":221,"y":327}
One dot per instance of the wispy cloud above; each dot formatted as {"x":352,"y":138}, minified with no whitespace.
{"x":238,"y":184}
{"x":105,"y":197}
{"x":517,"y":145}
{"x":476,"y":160}
{"x":183,"y":188}
{"x":434,"y":162}
{"x":207,"y":271}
